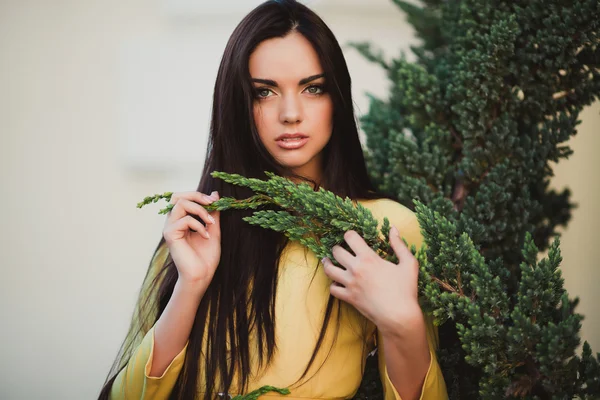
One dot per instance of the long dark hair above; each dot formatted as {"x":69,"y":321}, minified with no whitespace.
{"x":242,"y":292}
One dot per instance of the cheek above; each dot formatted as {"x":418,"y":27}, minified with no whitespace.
{"x":257,"y":117}
{"x":324,"y":111}
{"x":261,"y":118}
{"x":324,"y":116}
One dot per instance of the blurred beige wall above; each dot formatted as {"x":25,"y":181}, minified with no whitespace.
{"x":579,"y":241}
{"x":90,"y":92}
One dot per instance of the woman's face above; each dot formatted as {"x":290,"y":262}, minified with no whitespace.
{"x":290,"y":98}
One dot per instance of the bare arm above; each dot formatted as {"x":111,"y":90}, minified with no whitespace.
{"x":172,"y":330}
{"x":407,"y":357}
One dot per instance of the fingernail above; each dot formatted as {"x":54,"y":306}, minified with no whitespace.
{"x":207,"y":235}
{"x":323,"y":260}
{"x":394,"y":231}
{"x":211,"y":219}
{"x":214,"y":195}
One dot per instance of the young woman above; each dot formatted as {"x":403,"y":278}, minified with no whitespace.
{"x":227,"y":307}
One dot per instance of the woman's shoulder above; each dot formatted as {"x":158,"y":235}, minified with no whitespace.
{"x":399,"y":215}
{"x":388,"y":206}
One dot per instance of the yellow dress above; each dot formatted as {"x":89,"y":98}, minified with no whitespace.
{"x":300,"y":306}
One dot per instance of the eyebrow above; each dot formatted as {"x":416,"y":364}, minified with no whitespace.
{"x":301,"y":82}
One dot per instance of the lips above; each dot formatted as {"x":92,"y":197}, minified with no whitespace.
{"x":292,"y":143}
{"x":291,"y":135}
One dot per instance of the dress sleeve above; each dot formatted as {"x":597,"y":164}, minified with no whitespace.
{"x":133,"y":380}
{"x":434,"y":386}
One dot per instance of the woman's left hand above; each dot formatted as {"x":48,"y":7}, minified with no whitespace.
{"x":384,"y":292}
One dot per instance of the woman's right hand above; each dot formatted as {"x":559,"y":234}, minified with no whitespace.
{"x":195,"y":254}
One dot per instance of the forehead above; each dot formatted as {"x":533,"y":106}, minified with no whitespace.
{"x":285,"y":60}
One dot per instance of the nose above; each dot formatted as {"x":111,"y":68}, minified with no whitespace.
{"x":291,"y":110}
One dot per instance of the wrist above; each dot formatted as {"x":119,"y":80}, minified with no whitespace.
{"x":194,"y":289}
{"x":405,"y":324}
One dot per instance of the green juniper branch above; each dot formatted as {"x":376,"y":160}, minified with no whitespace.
{"x":260,"y":391}
{"x":318,"y":220}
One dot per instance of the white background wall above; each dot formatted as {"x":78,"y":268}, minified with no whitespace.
{"x":103,"y":102}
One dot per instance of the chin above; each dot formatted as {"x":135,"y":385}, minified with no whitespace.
{"x":293,"y":166}
{"x":295,"y":162}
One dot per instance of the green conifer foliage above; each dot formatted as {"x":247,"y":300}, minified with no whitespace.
{"x":466,"y":137}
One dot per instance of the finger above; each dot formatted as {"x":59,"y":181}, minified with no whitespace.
{"x":335,"y":273}
{"x":215,"y":229}
{"x":196,"y":226}
{"x":339,"y":292}
{"x":401,"y":250}
{"x":184,"y":224}
{"x":197,"y":197}
{"x":342,"y":256}
{"x":184,"y":207}
{"x":356,"y":242}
